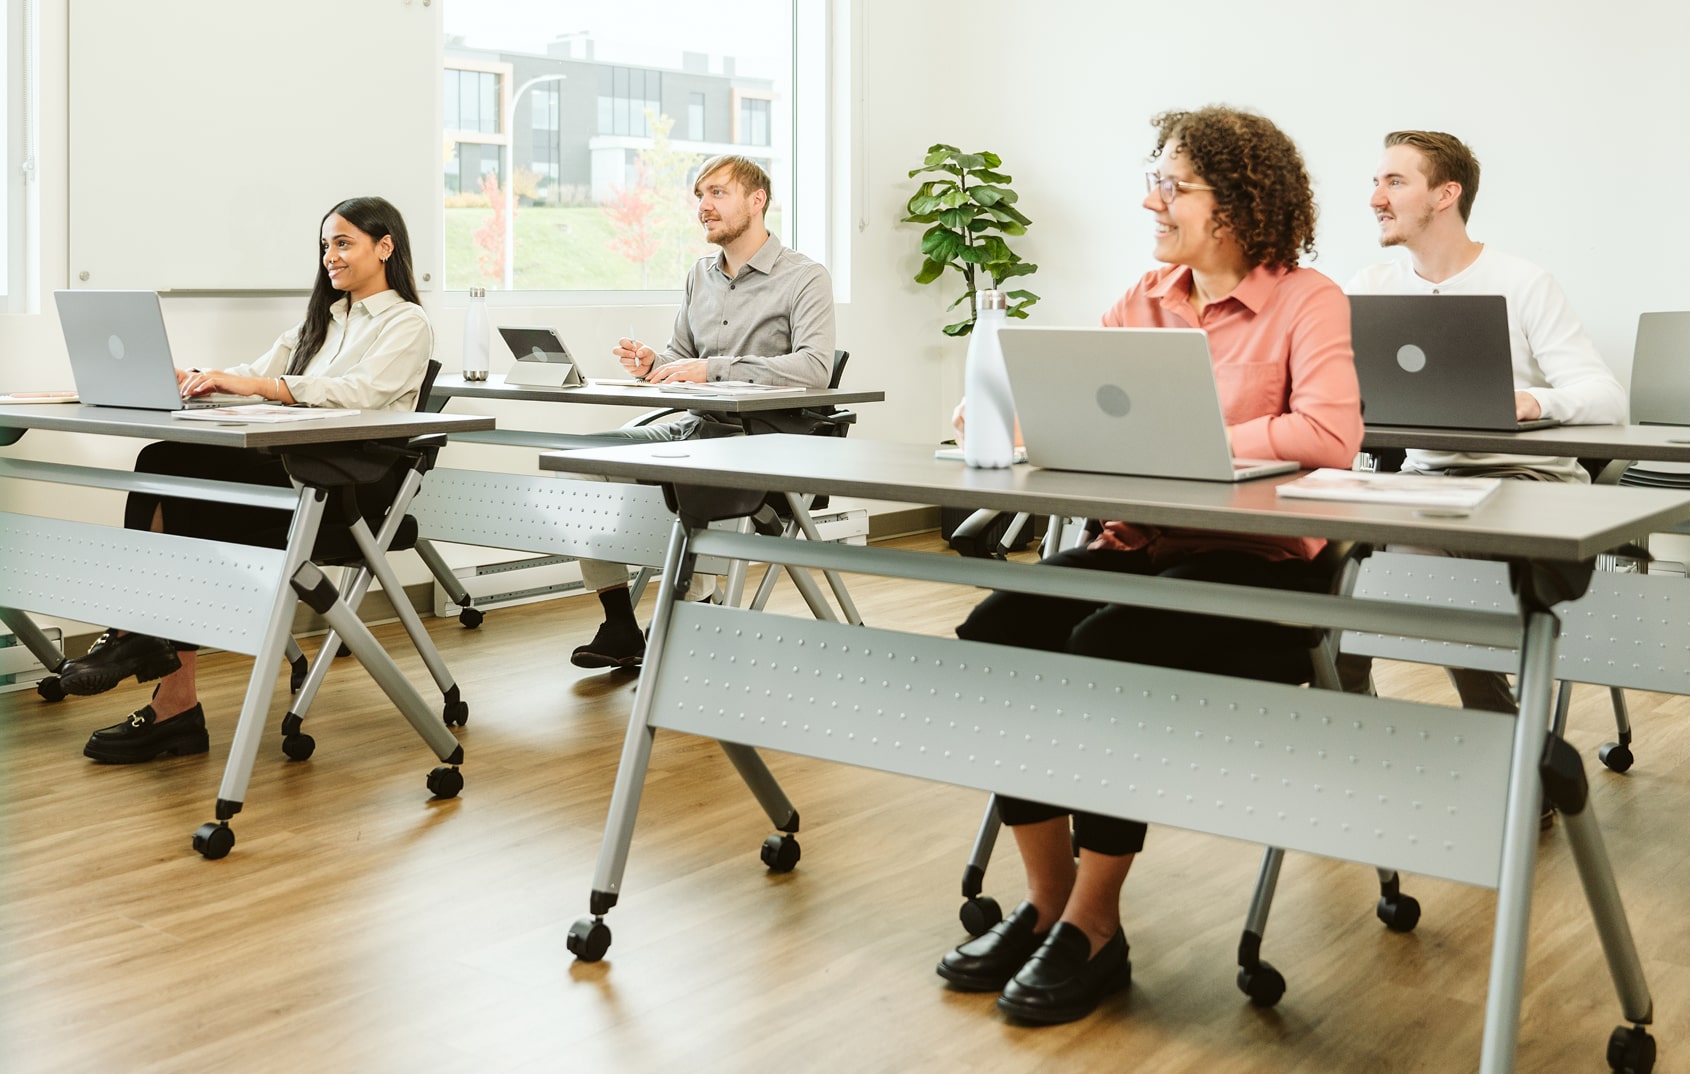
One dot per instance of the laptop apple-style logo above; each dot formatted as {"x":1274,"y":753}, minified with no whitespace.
{"x":1411,"y":358}
{"x":1113,"y":401}
{"x":115,"y":346}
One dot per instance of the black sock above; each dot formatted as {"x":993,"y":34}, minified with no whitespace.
{"x":618,"y":608}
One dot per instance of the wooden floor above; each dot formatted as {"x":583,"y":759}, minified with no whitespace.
{"x":359,"y":926}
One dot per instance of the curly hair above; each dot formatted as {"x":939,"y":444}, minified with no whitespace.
{"x":1262,"y":190}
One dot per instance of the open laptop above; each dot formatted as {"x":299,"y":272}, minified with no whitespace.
{"x":1436,"y":361}
{"x":120,"y":356}
{"x":1139,"y":401}
{"x":1660,"y":390}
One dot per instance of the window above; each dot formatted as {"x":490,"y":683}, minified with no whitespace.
{"x":753,"y":121}
{"x":608,"y":124}
{"x":695,"y":117}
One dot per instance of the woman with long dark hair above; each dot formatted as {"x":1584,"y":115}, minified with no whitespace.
{"x":364,"y":344}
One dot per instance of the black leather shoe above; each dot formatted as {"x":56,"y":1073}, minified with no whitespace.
{"x":612,"y":647}
{"x":987,"y":962}
{"x":1063,"y":981}
{"x":114,"y":657}
{"x":144,"y":736}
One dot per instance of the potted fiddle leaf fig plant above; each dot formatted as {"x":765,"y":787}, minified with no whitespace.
{"x":969,"y":210}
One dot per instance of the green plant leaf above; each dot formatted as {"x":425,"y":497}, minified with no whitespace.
{"x":924,"y":203}
{"x":930,"y":271}
{"x":969,"y":161}
{"x":1016,"y":268}
{"x":1026,"y":298}
{"x":959,"y":300}
{"x":954,"y":199}
{"x":943,"y":244}
{"x":994,"y":249}
{"x":956,"y":218}
{"x":992,"y":159}
{"x":987,"y":175}
{"x":961,"y":328}
{"x":1008,"y":212}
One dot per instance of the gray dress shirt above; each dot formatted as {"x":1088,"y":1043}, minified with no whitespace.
{"x":772,"y":324}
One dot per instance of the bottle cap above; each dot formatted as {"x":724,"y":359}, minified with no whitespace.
{"x":990,"y":299}
{"x":478,"y":292}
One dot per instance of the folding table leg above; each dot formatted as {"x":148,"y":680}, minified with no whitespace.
{"x":469,"y":615}
{"x":40,"y":647}
{"x":589,"y":937}
{"x":980,"y":912}
{"x":800,"y":506}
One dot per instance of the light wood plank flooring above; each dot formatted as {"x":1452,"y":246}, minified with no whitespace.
{"x":358,"y":926}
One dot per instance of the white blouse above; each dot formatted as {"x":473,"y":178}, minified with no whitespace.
{"x":372,"y":358}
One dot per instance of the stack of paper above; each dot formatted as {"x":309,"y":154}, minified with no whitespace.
{"x":262,"y":412}
{"x":1422,"y":490}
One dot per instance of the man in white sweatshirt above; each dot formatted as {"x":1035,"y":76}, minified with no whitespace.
{"x":1422,"y":196}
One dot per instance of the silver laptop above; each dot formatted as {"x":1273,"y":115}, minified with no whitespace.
{"x":542,"y":359}
{"x":120,"y":356}
{"x":1139,"y":401}
{"x":1436,"y":361}
{"x":1660,"y":389}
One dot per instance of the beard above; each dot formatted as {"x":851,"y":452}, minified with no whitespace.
{"x":1404,"y":233}
{"x":730,"y":231}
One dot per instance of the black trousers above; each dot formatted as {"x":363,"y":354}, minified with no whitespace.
{"x":1165,"y":638}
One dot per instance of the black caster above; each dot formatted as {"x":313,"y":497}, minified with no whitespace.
{"x":214,"y":841}
{"x":296,"y":673}
{"x":589,"y":939}
{"x":49,"y":689}
{"x":1616,"y":756}
{"x":470,"y":617}
{"x":1400,"y":913}
{"x":445,"y":781}
{"x":1263,"y":984}
{"x":456,"y":713}
{"x":1631,"y":1050}
{"x":299,"y":746}
{"x":979,"y":914}
{"x":781,"y":852}
{"x":342,"y":652}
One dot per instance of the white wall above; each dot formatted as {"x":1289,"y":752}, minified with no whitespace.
{"x":1576,"y":110}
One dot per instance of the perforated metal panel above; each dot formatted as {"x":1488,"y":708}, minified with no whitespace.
{"x":1630,"y":630}
{"x":173,"y":587}
{"x":595,"y":519}
{"x":1379,"y":781}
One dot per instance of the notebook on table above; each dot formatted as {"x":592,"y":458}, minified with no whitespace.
{"x":1436,"y":362}
{"x":120,"y":355}
{"x":1131,"y":401}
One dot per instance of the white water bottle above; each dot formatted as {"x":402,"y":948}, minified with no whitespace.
{"x":989,"y":432}
{"x":476,"y":335}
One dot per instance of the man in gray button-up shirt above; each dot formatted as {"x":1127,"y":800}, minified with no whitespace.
{"x":756,"y":311}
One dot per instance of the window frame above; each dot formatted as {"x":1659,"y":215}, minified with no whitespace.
{"x":20,"y":214}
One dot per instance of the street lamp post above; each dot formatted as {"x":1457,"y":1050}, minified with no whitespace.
{"x":510,"y":175}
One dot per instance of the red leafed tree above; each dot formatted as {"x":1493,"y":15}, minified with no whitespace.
{"x":629,"y":209}
{"x":491,"y":235}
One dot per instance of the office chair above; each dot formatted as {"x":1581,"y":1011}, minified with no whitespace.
{"x":1257,"y":978}
{"x":348,"y":542}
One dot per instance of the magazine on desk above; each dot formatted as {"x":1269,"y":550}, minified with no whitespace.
{"x":262,"y":413}
{"x":1418,"y":490}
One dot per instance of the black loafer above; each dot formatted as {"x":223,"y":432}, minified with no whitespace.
{"x":611,"y":647}
{"x":1063,"y":981}
{"x":143,"y":736}
{"x":987,"y":962}
{"x":114,"y":657}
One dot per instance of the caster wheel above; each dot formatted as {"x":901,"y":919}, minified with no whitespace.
{"x":1400,"y":914}
{"x":589,"y":939}
{"x":1264,"y":984}
{"x":298,"y":747}
{"x":445,"y":782}
{"x":979,"y":914}
{"x":1616,"y":756}
{"x":343,"y":651}
{"x":49,"y":689}
{"x":214,"y":841}
{"x":470,"y":617}
{"x":1631,"y":1050}
{"x":297,"y":673}
{"x":456,"y":714}
{"x":781,"y":852}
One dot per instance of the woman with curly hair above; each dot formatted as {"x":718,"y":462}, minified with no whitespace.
{"x":1232,"y":213}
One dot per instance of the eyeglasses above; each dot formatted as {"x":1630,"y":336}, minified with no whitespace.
{"x":1168,"y":189}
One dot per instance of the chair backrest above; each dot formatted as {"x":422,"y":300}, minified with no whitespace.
{"x":839,"y":360}
{"x":1660,"y":370}
{"x":431,"y":371}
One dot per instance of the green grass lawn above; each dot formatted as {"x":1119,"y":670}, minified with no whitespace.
{"x":561,"y":250}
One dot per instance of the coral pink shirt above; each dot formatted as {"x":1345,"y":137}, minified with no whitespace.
{"x":1280,"y":343}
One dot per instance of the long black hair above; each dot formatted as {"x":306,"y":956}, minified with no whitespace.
{"x":377,"y":218}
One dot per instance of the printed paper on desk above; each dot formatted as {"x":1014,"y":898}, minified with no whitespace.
{"x":262,"y":412}
{"x":1417,"y":490}
{"x":728,"y":387}
{"x":39,"y":397}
